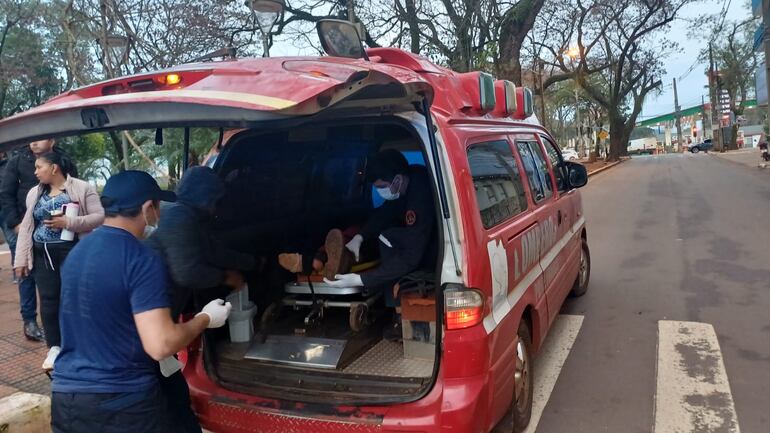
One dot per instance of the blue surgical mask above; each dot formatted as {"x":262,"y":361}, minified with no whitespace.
{"x":386,"y":192}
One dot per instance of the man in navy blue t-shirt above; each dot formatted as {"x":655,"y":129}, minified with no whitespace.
{"x":115,"y":320}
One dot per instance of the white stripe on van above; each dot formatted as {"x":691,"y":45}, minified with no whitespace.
{"x":502,"y":310}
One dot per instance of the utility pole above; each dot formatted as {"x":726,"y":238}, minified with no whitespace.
{"x":766,"y":26}
{"x":716,"y":122}
{"x":541,"y":68}
{"x":579,"y":136}
{"x":677,"y":110}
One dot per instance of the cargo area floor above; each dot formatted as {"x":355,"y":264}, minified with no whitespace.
{"x":386,"y":359}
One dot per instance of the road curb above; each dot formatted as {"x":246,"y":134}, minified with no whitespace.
{"x":606,"y":167}
{"x":25,"y":413}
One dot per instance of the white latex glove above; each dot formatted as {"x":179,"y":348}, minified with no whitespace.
{"x":345,"y":281}
{"x":218,"y":311}
{"x":354,"y":246}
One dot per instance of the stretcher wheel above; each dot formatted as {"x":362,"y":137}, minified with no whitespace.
{"x":270,"y":315}
{"x":358,"y":316}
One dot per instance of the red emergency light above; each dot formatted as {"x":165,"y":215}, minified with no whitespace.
{"x":505,"y":93}
{"x":480,"y":89}
{"x":525,"y":103}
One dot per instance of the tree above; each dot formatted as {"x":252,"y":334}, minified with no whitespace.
{"x":26,"y":78}
{"x":614,"y":59}
{"x":733,"y":52}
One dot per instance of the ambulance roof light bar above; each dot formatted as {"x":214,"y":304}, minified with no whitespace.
{"x":480,"y":88}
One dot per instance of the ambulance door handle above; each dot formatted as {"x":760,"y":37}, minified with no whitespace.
{"x":558,"y":216}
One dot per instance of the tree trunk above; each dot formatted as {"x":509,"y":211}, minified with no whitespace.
{"x":414,"y":27}
{"x":117,"y":144}
{"x":509,"y":67}
{"x":618,"y":138}
{"x":517,"y":22}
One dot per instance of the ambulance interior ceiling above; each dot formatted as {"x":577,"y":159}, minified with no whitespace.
{"x":305,"y":179}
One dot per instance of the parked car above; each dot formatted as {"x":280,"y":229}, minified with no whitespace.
{"x":512,"y":240}
{"x":705,"y":146}
{"x":570,"y":154}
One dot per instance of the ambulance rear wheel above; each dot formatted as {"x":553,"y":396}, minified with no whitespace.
{"x":358,"y":316}
{"x":517,"y":418}
{"x":580,"y":287}
{"x":523,"y":386}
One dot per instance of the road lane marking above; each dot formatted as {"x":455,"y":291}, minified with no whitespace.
{"x":549,"y":362}
{"x":693,"y":392}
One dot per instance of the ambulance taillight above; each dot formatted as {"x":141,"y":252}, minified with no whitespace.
{"x":463,"y":307}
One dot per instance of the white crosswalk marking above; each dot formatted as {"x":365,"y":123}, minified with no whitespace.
{"x":693,"y":393}
{"x":549,"y":362}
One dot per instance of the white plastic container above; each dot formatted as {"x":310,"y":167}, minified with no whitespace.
{"x":70,"y":210}
{"x":241,"y":323}
{"x":239,"y":298}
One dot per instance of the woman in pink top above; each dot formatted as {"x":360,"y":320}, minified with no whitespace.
{"x":41,"y":248}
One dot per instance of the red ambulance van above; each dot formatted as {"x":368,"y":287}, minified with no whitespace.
{"x":511,"y":242}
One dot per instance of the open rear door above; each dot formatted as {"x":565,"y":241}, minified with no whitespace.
{"x":228,"y":94}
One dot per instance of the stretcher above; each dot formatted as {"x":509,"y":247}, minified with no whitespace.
{"x":311,"y":292}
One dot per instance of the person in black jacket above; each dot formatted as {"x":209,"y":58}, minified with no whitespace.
{"x":18,"y":178}
{"x":196,"y":262}
{"x":404,"y":228}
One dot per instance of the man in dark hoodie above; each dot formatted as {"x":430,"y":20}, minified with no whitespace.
{"x":18,"y":178}
{"x":197,"y":263}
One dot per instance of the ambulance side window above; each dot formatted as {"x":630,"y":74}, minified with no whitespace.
{"x":537,"y":170}
{"x":558,"y":165}
{"x":499,"y":189}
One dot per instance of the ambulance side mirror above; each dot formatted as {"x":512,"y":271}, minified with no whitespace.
{"x":578,"y":176}
{"x":340,"y":38}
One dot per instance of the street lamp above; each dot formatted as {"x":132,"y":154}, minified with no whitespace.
{"x":268,"y":13}
{"x":118,"y":43}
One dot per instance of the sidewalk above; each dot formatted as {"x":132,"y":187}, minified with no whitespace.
{"x":600,"y":165}
{"x":19,"y":359}
{"x":748,"y":157}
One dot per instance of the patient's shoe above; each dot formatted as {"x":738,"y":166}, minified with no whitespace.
{"x":292,"y":262}
{"x":339,"y":259}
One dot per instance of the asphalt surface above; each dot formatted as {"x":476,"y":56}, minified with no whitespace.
{"x":674,"y":237}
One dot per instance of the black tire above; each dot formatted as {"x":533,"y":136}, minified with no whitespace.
{"x":580,"y":287}
{"x":521,"y":408}
{"x":695,"y":149}
{"x":358,"y":317}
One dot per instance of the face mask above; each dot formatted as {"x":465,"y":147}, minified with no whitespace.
{"x":150,"y":229}
{"x":387,"y":193}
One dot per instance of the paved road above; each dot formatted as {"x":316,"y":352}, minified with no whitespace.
{"x":678,"y":309}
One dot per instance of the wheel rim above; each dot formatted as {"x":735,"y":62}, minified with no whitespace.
{"x":521,"y":376}
{"x":583,"y":267}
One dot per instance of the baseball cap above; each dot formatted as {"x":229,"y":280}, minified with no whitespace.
{"x":130,"y":189}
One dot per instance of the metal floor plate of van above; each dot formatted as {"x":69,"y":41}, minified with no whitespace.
{"x":386,"y":358}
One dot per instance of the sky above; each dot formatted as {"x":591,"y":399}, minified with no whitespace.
{"x":690,"y":86}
